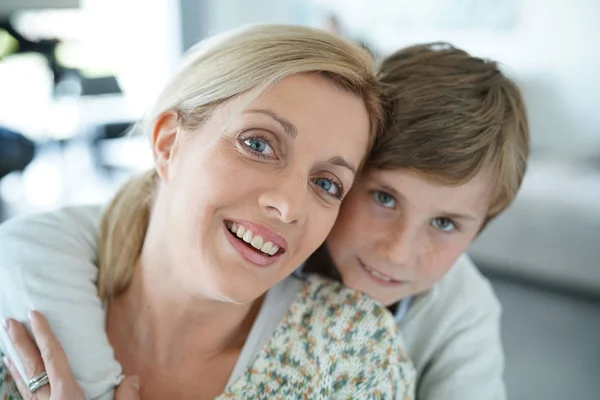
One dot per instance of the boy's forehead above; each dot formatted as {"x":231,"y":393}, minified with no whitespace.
{"x":483,"y":177}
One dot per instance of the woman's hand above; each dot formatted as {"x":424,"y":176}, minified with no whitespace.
{"x":45,"y":355}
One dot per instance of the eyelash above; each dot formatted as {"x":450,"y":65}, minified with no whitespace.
{"x":454,"y":225}
{"x":334,"y":181}
{"x":376,"y":193}
{"x":258,"y":136}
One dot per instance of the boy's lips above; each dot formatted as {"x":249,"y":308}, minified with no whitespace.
{"x":379,"y":277}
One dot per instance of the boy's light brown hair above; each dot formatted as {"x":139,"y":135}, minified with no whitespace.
{"x":448,"y":115}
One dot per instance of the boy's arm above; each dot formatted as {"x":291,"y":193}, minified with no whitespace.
{"x":48,"y":263}
{"x":470,"y":365}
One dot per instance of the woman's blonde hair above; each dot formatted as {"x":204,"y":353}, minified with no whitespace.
{"x":217,"y":70}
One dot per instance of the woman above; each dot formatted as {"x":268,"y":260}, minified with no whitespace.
{"x":255,"y":142}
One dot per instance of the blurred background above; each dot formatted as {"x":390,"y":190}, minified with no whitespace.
{"x":74,"y":74}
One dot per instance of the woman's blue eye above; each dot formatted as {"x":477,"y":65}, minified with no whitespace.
{"x":385,"y":199}
{"x":259,"y":146}
{"x":443,"y":224}
{"x":329,"y":186}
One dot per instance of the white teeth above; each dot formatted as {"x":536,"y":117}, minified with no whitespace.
{"x":378,"y":275}
{"x":384,"y":278}
{"x":247,"y":237}
{"x":274,"y":250}
{"x":266,"y":248}
{"x":257,"y":242}
{"x":240,"y":231}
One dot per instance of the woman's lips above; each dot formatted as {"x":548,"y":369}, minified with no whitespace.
{"x":266,"y":234}
{"x":249,"y":253}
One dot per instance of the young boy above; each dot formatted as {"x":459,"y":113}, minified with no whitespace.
{"x":451,"y":158}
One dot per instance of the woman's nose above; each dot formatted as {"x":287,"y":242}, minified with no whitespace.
{"x":286,"y":199}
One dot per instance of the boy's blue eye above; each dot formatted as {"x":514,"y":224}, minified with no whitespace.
{"x":443,"y":224}
{"x":384,"y":199}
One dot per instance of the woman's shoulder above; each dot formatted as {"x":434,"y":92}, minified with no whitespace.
{"x":8,"y":389}
{"x":69,"y":230}
{"x":75,"y":219}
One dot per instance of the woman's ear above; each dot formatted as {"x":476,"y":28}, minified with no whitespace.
{"x":165,"y":137}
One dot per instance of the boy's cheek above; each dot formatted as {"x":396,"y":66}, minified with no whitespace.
{"x":437,"y":269}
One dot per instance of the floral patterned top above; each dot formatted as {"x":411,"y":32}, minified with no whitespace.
{"x":334,"y":343}
{"x":8,"y":389}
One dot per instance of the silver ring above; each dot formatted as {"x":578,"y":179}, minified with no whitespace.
{"x":37,"y":382}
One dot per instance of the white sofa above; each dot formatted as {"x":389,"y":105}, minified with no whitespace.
{"x":551,"y":233}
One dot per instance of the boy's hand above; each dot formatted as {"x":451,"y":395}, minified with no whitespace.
{"x":46,"y":356}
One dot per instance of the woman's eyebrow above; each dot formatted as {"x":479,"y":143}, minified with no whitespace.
{"x":287,"y":126}
{"x":338,"y":160}
{"x":291,"y":130}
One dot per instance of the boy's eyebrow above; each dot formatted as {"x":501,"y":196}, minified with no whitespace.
{"x":468,"y":217}
{"x":389,"y":189}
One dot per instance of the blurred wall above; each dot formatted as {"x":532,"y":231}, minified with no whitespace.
{"x":553,"y":53}
{"x":549,"y":46}
{"x":201,"y":18}
{"x":147,"y":37}
{"x":9,"y":6}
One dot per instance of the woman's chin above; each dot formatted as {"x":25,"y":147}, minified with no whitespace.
{"x":237,"y":290}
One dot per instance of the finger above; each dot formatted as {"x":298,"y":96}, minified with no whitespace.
{"x":129,"y":389}
{"x":16,"y":377}
{"x":52,"y":353}
{"x":28,"y":354}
